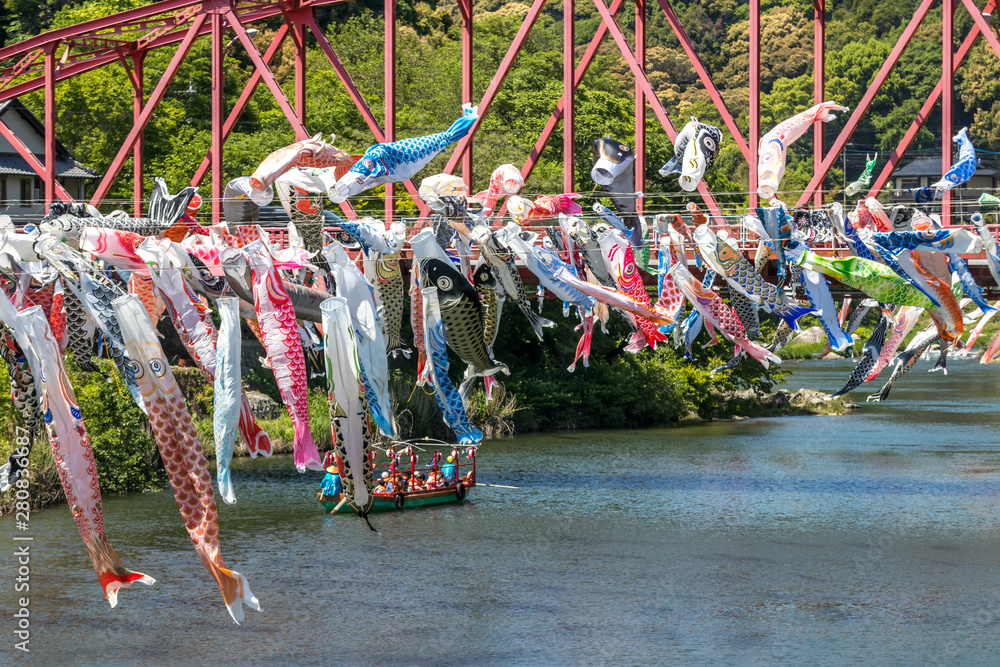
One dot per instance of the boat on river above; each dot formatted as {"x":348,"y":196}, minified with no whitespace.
{"x":406,"y":495}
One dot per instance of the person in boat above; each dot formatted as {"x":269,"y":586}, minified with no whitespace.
{"x":448,"y":471}
{"x":381,"y":483}
{"x":419,"y":482}
{"x":331,"y":484}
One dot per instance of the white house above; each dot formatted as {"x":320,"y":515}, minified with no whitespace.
{"x":925,"y":171}
{"x":22,"y":191}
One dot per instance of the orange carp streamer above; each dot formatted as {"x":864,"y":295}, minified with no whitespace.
{"x":181,"y":451}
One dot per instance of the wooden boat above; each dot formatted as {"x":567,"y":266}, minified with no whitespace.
{"x":464,"y":474}
{"x":385,"y":502}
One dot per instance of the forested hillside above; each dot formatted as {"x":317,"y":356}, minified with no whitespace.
{"x":95,"y":110}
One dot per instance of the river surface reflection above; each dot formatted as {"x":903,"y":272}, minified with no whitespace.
{"x":870,"y":538}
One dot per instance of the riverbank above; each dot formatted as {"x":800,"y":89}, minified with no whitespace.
{"x":127,"y":459}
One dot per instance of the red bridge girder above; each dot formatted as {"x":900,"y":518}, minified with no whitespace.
{"x":123,"y":39}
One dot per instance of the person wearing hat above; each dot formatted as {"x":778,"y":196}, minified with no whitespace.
{"x":385,"y":484}
{"x":331,"y":485}
{"x":448,"y":471}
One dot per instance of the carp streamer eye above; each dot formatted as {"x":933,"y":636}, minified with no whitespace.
{"x":709,"y":143}
{"x":158,"y":368}
{"x":444,"y":283}
{"x":137,"y":369}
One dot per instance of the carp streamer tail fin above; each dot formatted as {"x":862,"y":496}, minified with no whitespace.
{"x":791,"y":316}
{"x":761,"y":354}
{"x":461,"y":127}
{"x":306,"y":454}
{"x":537,"y":321}
{"x":881,"y":394}
{"x":583,"y":346}
{"x":234,"y":586}
{"x":110,"y":571}
{"x":257,"y":441}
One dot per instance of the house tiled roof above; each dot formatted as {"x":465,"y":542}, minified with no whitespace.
{"x":931,"y":166}
{"x":13,"y":164}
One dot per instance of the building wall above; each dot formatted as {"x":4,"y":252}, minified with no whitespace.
{"x":25,"y":132}
{"x":23,"y":211}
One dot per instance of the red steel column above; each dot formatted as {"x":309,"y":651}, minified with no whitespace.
{"x":861,"y":107}
{"x":138,"y":156}
{"x":389,"y":126}
{"x":299,"y":38}
{"x":218,"y":114}
{"x":569,"y":90}
{"x":819,"y":79}
{"x":754,"y":97}
{"x":947,"y":100}
{"x":241,"y":103}
{"x":640,"y":106}
{"x":50,"y":126}
{"x":466,"y":7}
{"x":505,"y":65}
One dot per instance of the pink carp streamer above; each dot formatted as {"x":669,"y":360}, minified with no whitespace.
{"x":280,"y":333}
{"x":544,"y":207}
{"x":181,"y":451}
{"x":719,"y":315}
{"x":619,"y":300}
{"x":583,"y":345}
{"x":980,"y":325}
{"x":773,"y":148}
{"x":671,"y":300}
{"x":505,"y":180}
{"x":902,"y":324}
{"x":114,"y":246}
{"x":73,"y":455}
{"x":991,"y":349}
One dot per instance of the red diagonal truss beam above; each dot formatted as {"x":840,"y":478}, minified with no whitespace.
{"x":95,"y":25}
{"x":819,"y":173}
{"x":553,"y":121}
{"x":497,"y":81}
{"x":147,"y":111}
{"x":30,"y":158}
{"x":155,"y":40}
{"x":929,"y":104}
{"x":265,"y":72}
{"x":359,"y":102}
{"x":984,"y":27}
{"x":243,"y":101}
{"x":705,"y":76}
{"x":654,"y":101}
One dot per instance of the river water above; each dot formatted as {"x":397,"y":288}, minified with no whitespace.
{"x":869,"y":538}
